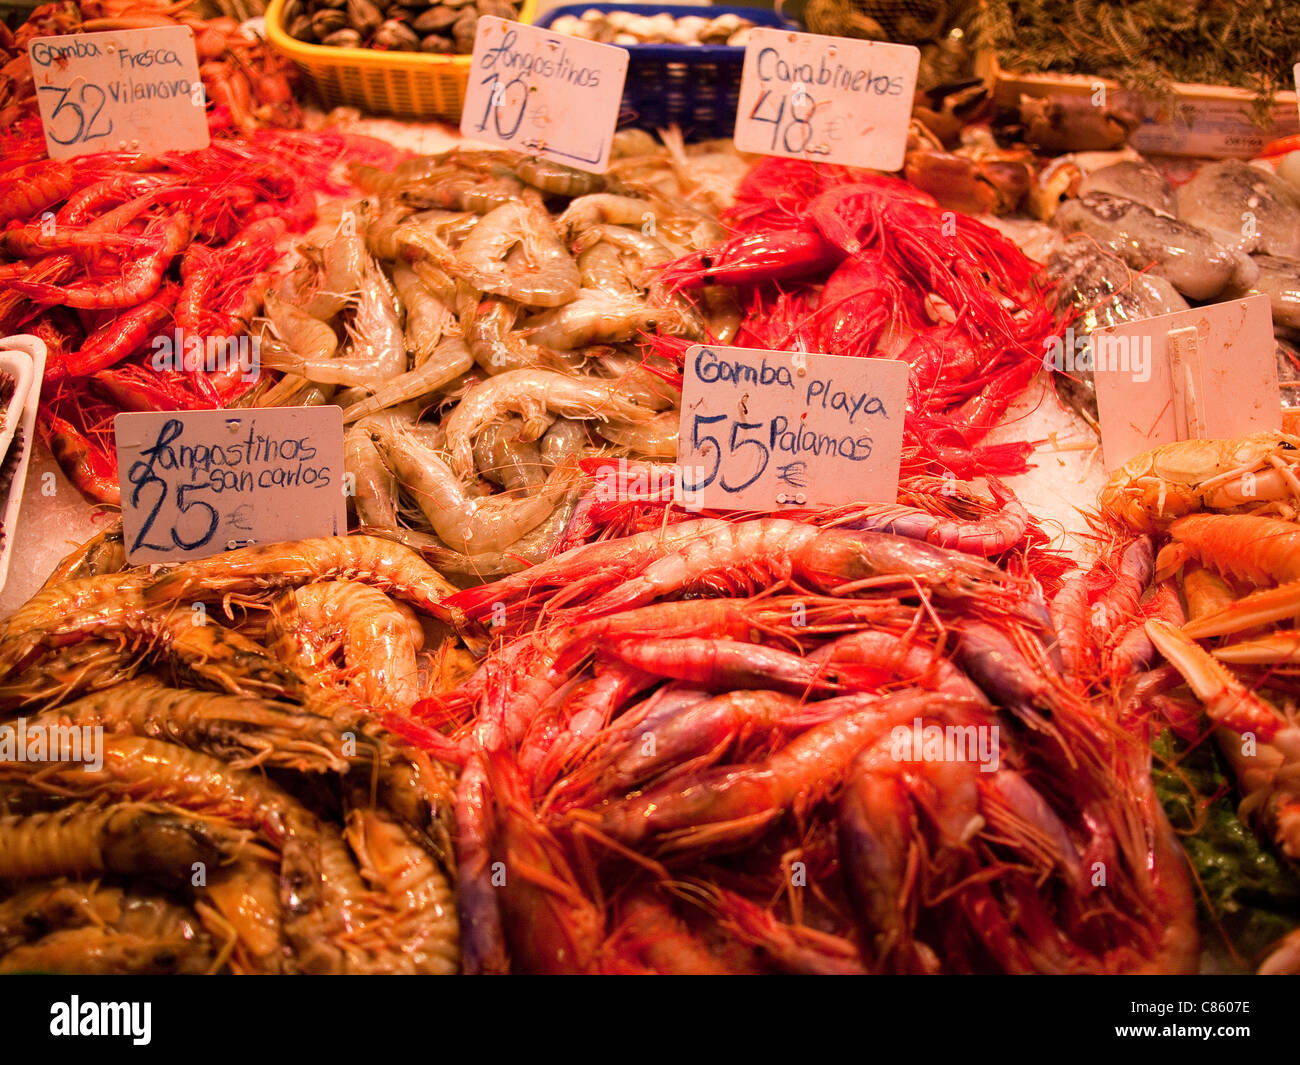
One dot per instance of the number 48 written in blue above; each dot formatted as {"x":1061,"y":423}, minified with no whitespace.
{"x":801,"y":108}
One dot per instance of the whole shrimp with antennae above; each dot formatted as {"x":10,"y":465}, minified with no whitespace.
{"x":307,"y":340}
{"x":376,"y":350}
{"x":242,"y":731}
{"x":29,"y":194}
{"x":129,"y":839}
{"x":656,"y":439}
{"x":120,"y":336}
{"x":724,"y":664}
{"x":471,"y":525}
{"x":468,"y":192}
{"x":375,"y":489}
{"x":594,"y":317}
{"x":550,"y":924}
{"x":377,"y":636}
{"x":601,"y":208}
{"x":875,"y":657}
{"x":140,"y":280}
{"x":418,"y":911}
{"x":543,"y":275}
{"x":744,"y":554}
{"x":507,"y":461}
{"x":536,"y":394}
{"x":556,"y":178}
{"x":448,"y":361}
{"x":686,"y":733}
{"x":36,"y":239}
{"x":730,"y":805}
{"x":603,"y":564}
{"x":428,"y":319}
{"x":985,"y":536}
{"x":497,"y":346}
{"x":387,"y":566}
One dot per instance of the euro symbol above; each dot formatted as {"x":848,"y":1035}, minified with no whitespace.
{"x":241,"y":517}
{"x":794,"y":474}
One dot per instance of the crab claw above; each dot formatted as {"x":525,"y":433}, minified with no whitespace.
{"x":1228,"y":702}
{"x":1280,"y":646}
{"x":1258,"y":608}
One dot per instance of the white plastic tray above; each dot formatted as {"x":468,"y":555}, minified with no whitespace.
{"x":23,"y":358}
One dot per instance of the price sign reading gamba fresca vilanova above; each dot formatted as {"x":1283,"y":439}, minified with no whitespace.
{"x":761,"y":430}
{"x":543,"y":93}
{"x":195,"y":483}
{"x":120,"y":91}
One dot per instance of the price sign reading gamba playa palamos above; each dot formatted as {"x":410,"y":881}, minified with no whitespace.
{"x":765,"y":429}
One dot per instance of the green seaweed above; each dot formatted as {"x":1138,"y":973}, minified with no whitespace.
{"x":1248,"y":890}
{"x":1147,"y":45}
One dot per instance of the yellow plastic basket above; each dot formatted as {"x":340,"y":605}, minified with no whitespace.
{"x":403,"y":84}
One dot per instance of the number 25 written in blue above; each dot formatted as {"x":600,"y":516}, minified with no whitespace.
{"x":142,"y":477}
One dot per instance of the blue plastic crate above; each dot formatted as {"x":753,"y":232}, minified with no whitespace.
{"x":694,"y":86}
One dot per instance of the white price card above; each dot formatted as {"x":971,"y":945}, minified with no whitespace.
{"x":765,"y":429}
{"x":1203,"y":373}
{"x":195,"y":483}
{"x":828,"y":99}
{"x":120,"y":91}
{"x":543,"y":93}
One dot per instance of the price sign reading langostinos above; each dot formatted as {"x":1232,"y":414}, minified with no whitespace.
{"x":765,"y":429}
{"x":121,"y":91}
{"x":543,"y":93}
{"x":195,"y":483}
{"x":828,"y":99}
{"x":1204,"y":373}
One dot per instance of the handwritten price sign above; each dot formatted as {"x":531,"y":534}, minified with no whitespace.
{"x":545,"y":94}
{"x":198,"y":482}
{"x":829,"y":99}
{"x":765,"y":429}
{"x":122,"y":91}
{"x":1203,"y":373}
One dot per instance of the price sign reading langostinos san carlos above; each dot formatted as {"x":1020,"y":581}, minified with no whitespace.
{"x":828,"y":99}
{"x":766,"y":429}
{"x":544,"y":94}
{"x":121,"y":91}
{"x":195,"y":483}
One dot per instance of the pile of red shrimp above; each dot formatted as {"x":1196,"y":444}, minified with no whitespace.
{"x":849,"y":262}
{"x":141,"y":273}
{"x":710,"y":747}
